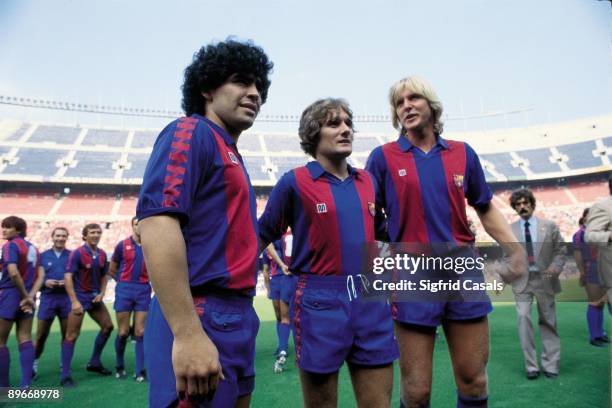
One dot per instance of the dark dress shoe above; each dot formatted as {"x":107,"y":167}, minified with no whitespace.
{"x":550,"y":375}
{"x":532,"y":375}
{"x":598,"y":342}
{"x":98,"y":369}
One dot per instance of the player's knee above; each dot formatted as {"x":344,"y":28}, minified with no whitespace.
{"x":416,"y":395}
{"x":71,"y":336}
{"x":107,"y":329}
{"x":472,"y":384}
{"x":139,"y":331}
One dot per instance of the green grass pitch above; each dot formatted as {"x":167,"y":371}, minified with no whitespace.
{"x":584,"y":380}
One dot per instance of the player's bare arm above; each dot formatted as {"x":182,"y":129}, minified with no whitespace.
{"x":40,"y":277}
{"x":103,"y":283}
{"x":77,"y":308}
{"x":272,"y":251}
{"x":27,"y":303}
{"x":112,"y":269}
{"x":195,"y":358}
{"x":496,"y":226}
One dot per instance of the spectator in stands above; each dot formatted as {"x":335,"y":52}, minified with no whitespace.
{"x":586,"y":261}
{"x":85,"y":280}
{"x":545,"y":258}
{"x":54,"y":300}
{"x":424,"y":181}
{"x":599,"y":231}
{"x":199,"y":233}
{"x":19,"y":282}
{"x":132,"y":294}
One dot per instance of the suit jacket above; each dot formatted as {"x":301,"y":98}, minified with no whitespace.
{"x":549,"y":250}
{"x":599,"y":230}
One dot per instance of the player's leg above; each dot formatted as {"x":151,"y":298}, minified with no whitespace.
{"x":551,"y":344}
{"x":416,"y":346}
{"x":26,"y":348}
{"x":468,"y":344}
{"x":595,"y":314}
{"x":99,"y":313}
{"x":526,"y":334}
{"x":5,"y":356}
{"x":139,"y":330}
{"x":369,"y":393}
{"x":73,"y":329}
{"x":319,"y":390}
{"x":43,"y":328}
{"x":123,"y":331}
{"x":243,"y":401}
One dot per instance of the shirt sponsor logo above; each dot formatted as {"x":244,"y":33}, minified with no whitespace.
{"x":402,"y":172}
{"x":232,"y":157}
{"x":458,"y":179}
{"x":321,"y":208}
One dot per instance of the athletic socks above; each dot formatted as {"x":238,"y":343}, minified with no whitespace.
{"x":67,"y":352}
{"x":471,"y":402}
{"x":26,"y":360}
{"x":283,"y":336}
{"x":139,"y":348}
{"x":5,"y":362}
{"x":595,"y":321}
{"x":120,"y":342}
{"x":99,"y":344}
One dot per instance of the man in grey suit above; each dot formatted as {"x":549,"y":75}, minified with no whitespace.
{"x":545,"y":256}
{"x":599,"y":231}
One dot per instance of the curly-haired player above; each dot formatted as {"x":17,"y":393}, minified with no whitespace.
{"x":197,"y":195}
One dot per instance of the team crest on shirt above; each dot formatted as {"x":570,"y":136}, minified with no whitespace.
{"x":372,"y":209}
{"x":49,"y":263}
{"x":232,"y":157}
{"x":128,"y":247}
{"x":321,"y":208}
{"x":458,"y":179}
{"x":402,"y":172}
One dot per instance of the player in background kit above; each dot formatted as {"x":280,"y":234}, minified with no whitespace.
{"x":132,"y":294}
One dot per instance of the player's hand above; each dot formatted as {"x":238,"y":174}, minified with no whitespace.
{"x":98,"y":298}
{"x":197,"y":369}
{"x":515,"y":266}
{"x":27,"y":304}
{"x":286,"y":270}
{"x":582,"y":279}
{"x":77,"y":308}
{"x":50,"y":283}
{"x":60,"y":282}
{"x":551,"y":272}
{"x":267,"y":285}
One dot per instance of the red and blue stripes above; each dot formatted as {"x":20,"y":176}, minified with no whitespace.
{"x":132,"y":268}
{"x":25,"y":257}
{"x":87,"y":266}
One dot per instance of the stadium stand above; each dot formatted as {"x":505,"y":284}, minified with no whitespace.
{"x":101,"y":137}
{"x":144,"y":139}
{"x":55,"y":134}
{"x":136,"y":167}
{"x":94,"y":165}
{"x":580,"y":155}
{"x":35,"y":161}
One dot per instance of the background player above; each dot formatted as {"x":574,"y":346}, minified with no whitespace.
{"x":586,"y":261}
{"x":54,"y":300}
{"x":281,"y":285}
{"x":85,"y":280}
{"x":132,"y":294}
{"x":19,"y":283}
{"x":330,"y":208}
{"x":424,"y":181}
{"x":197,"y":195}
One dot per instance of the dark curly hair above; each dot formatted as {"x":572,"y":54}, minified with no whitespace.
{"x":520,"y":194}
{"x":213,"y":64}
{"x":19,"y":224}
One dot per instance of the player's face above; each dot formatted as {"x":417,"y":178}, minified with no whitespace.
{"x":9,"y":233}
{"x":93,"y":236}
{"x":336,"y":136}
{"x":523,"y":208}
{"x":59,"y":239}
{"x":413,"y":111}
{"x":235,"y":104}
{"x":135,"y":229}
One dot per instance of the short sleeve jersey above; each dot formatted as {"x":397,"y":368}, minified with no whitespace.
{"x":331,"y":220}
{"x":128,"y":255}
{"x":25,"y":256}
{"x":424,"y":194}
{"x":196,"y":173}
{"x":87,"y":266}
{"x":54,"y":266}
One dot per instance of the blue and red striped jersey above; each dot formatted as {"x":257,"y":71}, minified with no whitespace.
{"x":87,"y":266}
{"x":331,"y":220}
{"x":424,"y":194}
{"x":132,"y":268}
{"x":25,"y":256}
{"x":196,"y":173}
{"x":54,"y":266}
{"x":588,"y":251}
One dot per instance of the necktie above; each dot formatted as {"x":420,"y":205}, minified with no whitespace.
{"x":529,"y":245}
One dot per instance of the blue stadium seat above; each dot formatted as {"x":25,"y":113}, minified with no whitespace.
{"x":144,"y":139}
{"x":580,"y":155}
{"x":249,"y":142}
{"x":284,"y":164}
{"x":114,"y":138}
{"x":94,"y":164}
{"x":36,"y":162}
{"x":503,"y":165}
{"x":139,"y":163}
{"x":254,"y":167}
{"x":16,"y":135}
{"x":57,"y":134}
{"x":539,"y":160}
{"x":278,"y":143}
